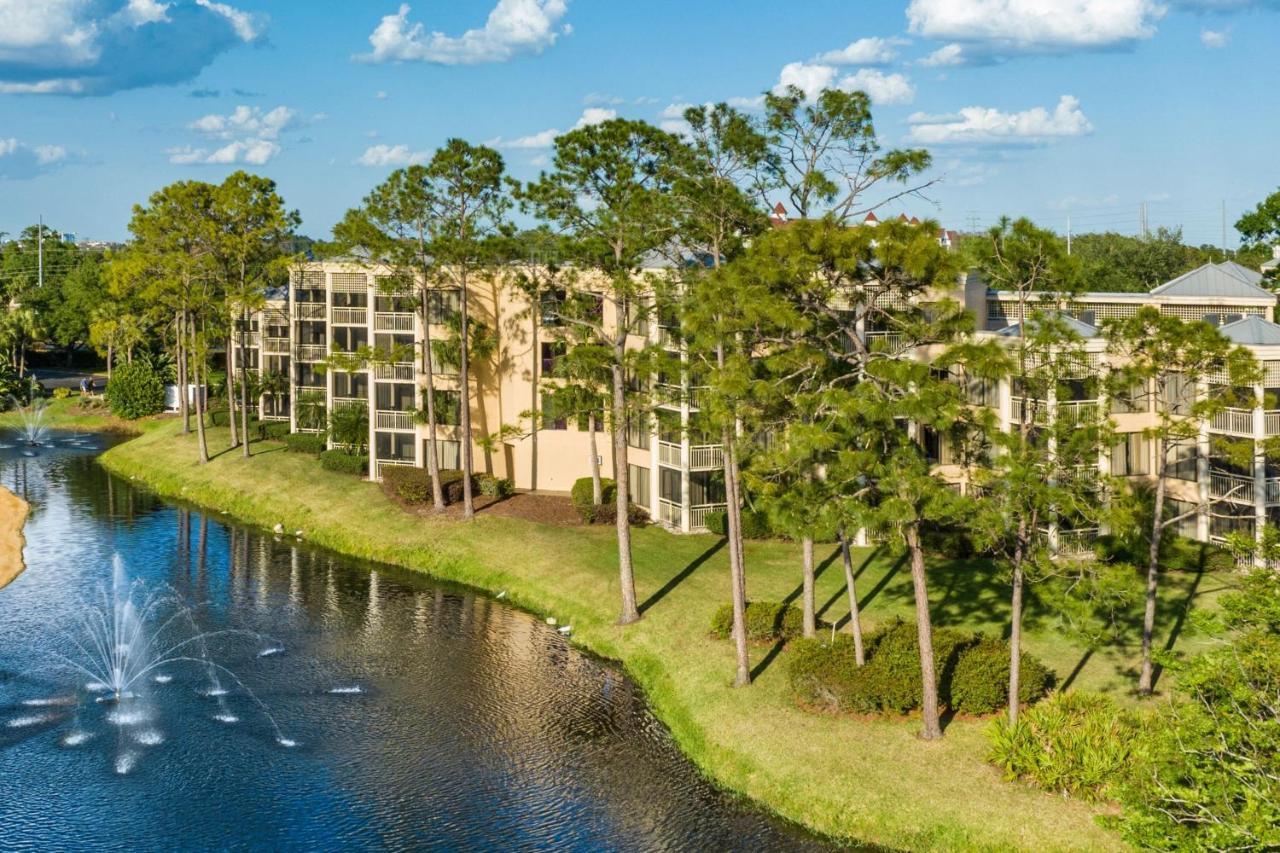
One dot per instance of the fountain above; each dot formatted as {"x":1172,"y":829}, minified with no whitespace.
{"x":32,"y":430}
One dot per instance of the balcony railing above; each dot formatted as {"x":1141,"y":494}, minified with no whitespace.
{"x":384,"y":321}
{"x":1074,"y":543}
{"x":669,"y":512}
{"x":1070,"y":411}
{"x":1233,"y":422}
{"x":884,"y":341}
{"x":698,"y":516}
{"x":276,"y":346}
{"x":309,"y":310}
{"x":1233,"y":487}
{"x":382,"y":464}
{"x":402,"y":421}
{"x":669,"y":454}
{"x":351,"y":316}
{"x":706,"y":457}
{"x":309,"y":352}
{"x":401,"y":371}
{"x":340,"y":402}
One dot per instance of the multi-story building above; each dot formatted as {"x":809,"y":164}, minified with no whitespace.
{"x":345,"y":304}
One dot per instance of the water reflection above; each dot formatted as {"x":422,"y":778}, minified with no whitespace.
{"x":427,"y":716}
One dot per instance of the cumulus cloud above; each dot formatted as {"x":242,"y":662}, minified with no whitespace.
{"x":391,"y":155}
{"x":812,"y":77}
{"x":247,"y":121}
{"x":1214,"y":39}
{"x":19,"y":161}
{"x":1035,"y":26}
{"x":987,"y":125}
{"x":513,"y":27}
{"x":545,"y":138}
{"x":77,"y":47}
{"x":252,"y":152}
{"x":948,"y":54}
{"x":865,"y":51}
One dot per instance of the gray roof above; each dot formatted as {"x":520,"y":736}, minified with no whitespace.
{"x":1253,"y":331}
{"x":1229,"y":280}
{"x":1081,"y":328}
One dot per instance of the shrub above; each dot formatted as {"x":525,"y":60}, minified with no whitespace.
{"x":755,"y":525}
{"x":495,"y":487}
{"x":411,"y":485}
{"x":61,"y":393}
{"x":581,"y":495}
{"x":273,"y":430}
{"x":1075,"y":743}
{"x":304,"y":442}
{"x":767,"y":621}
{"x":344,"y":462}
{"x":135,"y":391}
{"x":451,"y":484}
{"x":980,"y":682}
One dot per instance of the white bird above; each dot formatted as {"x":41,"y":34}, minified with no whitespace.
{"x":297,"y":533}
{"x":551,"y":620}
{"x":502,"y":595}
{"x":278,"y":529}
{"x":565,"y":629}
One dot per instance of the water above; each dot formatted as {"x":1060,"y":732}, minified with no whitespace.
{"x":411,"y":714}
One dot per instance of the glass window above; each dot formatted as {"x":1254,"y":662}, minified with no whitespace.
{"x":552,"y":352}
{"x":396,"y":397}
{"x":638,"y":430}
{"x":448,"y":454}
{"x":552,"y":417}
{"x":706,"y":487}
{"x":669,"y":488}
{"x":1179,"y":394}
{"x":1182,"y":460}
{"x":346,"y":299}
{"x":639,"y":484}
{"x":1130,"y":457}
{"x":444,"y":306}
{"x":350,"y":384}
{"x":349,"y":338}
{"x":394,"y":445}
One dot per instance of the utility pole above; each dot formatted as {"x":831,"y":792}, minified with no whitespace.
{"x":1224,"y":227}
{"x":40,"y":252}
{"x":1068,"y":233}
{"x":1142,"y":221}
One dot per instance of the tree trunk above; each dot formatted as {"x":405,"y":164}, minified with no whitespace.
{"x":630,"y":612}
{"x":1146,"y":681}
{"x":180,"y":339}
{"x":737,"y":571}
{"x":233,"y":361}
{"x":201,"y":439}
{"x":243,"y":362}
{"x":597,"y":488}
{"x":110,"y":355}
{"x":855,"y":618}
{"x":464,"y":379}
{"x":924,"y":631}
{"x":535,"y":401}
{"x":1015,"y":642}
{"x":433,"y":459}
{"x":810,"y":602}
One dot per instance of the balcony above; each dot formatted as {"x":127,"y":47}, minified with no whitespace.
{"x":883,"y":341}
{"x":1077,"y":543}
{"x":341,"y":402}
{"x":350,"y":316}
{"x":276,"y":346}
{"x":309,"y":352}
{"x":706,"y":457}
{"x":1069,"y":411}
{"x":309,"y":310}
{"x":385,"y":321}
{"x":1238,"y":488}
{"x":669,"y":513}
{"x":401,"y":371}
{"x":698,"y":516}
{"x":382,"y":464}
{"x":669,"y":454}
{"x":401,"y":421}
{"x":1239,"y":422}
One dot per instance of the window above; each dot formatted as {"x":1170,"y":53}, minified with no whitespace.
{"x":387,"y":304}
{"x":1184,"y":511}
{"x":550,"y":304}
{"x":552,"y":352}
{"x":1183,"y":460}
{"x":1131,"y":456}
{"x":448,"y":454}
{"x":394,"y":445}
{"x":639,"y":476}
{"x":311,"y":334}
{"x":669,"y":488}
{"x":552,"y":417}
{"x":308,"y":294}
{"x":1179,"y":393}
{"x":706,"y":487}
{"x":277,"y":331}
{"x":445,"y":362}
{"x":443,"y":306}
{"x":346,"y":299}
{"x":1130,"y":400}
{"x":349,"y":338}
{"x":448,"y":407}
{"x":399,"y":347}
{"x":396,"y":397}
{"x":308,"y":376}
{"x":350,"y":385}
{"x":1228,"y":518}
{"x":638,"y":430}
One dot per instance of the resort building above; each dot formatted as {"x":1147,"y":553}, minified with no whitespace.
{"x":348,"y":304}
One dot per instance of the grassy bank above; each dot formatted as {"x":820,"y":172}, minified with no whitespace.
{"x":71,"y":413}
{"x":848,"y":778}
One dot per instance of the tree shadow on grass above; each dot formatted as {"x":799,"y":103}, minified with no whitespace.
{"x":681,"y":576}
{"x":1178,"y":623}
{"x":843,"y":591}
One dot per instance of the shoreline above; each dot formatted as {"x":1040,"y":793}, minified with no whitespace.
{"x":13,"y":517}
{"x":789,"y":764}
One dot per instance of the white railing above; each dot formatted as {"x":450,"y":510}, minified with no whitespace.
{"x":351,"y":316}
{"x":1233,"y":422}
{"x":704,"y":457}
{"x":698,"y":516}
{"x":276,"y":346}
{"x":340,"y":402}
{"x":251,"y":339}
{"x":669,"y":512}
{"x":883,"y":340}
{"x":669,"y":453}
{"x":669,"y":336}
{"x":401,"y":371}
{"x":1069,"y":411}
{"x":1272,"y":421}
{"x":384,"y":321}
{"x":391,"y":463}
{"x":1232,"y":487}
{"x":309,"y":352}
{"x":668,"y":394}
{"x":309,"y":310}
{"x":697,"y":393}
{"x":1073,"y":543}
{"x":395,"y":420}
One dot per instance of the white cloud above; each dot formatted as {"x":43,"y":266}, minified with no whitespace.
{"x":987,"y":125}
{"x":248,"y":27}
{"x":252,"y":152}
{"x":1035,"y":25}
{"x":19,"y":161}
{"x":1213,"y":39}
{"x":46,"y":154}
{"x":865,"y":51}
{"x":247,"y":121}
{"x":546,"y":138}
{"x":812,"y":78}
{"x":512,"y":28}
{"x":740,"y":103}
{"x":948,"y":54}
{"x":140,"y":12}
{"x":391,"y":155}
{"x":380,"y":96}
{"x":600,"y":98}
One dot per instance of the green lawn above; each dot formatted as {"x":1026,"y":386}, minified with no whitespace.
{"x":67,"y":413}
{"x":849,"y":778}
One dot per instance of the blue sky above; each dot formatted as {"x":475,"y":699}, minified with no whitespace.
{"x":1047,"y":108}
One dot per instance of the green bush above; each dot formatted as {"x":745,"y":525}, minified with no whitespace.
{"x":495,"y":487}
{"x":135,"y":391}
{"x":451,"y":484}
{"x":344,"y":462}
{"x":411,"y":485}
{"x":767,"y":621}
{"x":824,"y":673}
{"x":305,"y":442}
{"x":1073,"y":743}
{"x":755,"y":525}
{"x":273,"y":430}
{"x":61,"y":393}
{"x":581,"y":495}
{"x":980,"y":682}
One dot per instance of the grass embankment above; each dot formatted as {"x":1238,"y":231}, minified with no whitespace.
{"x":848,"y":778}
{"x":72,"y":413}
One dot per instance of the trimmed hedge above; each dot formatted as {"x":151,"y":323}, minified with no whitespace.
{"x":824,"y":673}
{"x":755,"y":525}
{"x":305,"y":442}
{"x":273,"y":430}
{"x":411,"y":485}
{"x":495,"y":487}
{"x":607,"y":511}
{"x":135,"y":391}
{"x":343,"y":462}
{"x":767,"y":621}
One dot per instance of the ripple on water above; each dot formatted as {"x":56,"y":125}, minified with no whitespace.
{"x":128,"y":717}
{"x":229,"y":719}
{"x":150,"y":737}
{"x":162,"y":679}
{"x":346,"y":691}
{"x":30,"y":720}
{"x":274,"y":650}
{"x":50,"y":702}
{"x":76,"y":738}
{"x":125,"y":762}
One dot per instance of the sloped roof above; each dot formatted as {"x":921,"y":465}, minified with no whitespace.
{"x":1253,"y":331}
{"x":1215,"y":280}
{"x":1080,"y":327}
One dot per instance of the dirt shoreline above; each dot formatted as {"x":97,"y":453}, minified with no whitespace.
{"x":13,"y":515}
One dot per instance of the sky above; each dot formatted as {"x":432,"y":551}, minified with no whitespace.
{"x":1085,"y":110}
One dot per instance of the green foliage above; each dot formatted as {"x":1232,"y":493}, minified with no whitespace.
{"x":135,"y":391}
{"x":451,"y":483}
{"x":344,"y":462}
{"x":581,"y":495}
{"x":495,"y":487}
{"x":349,"y":426}
{"x":1075,"y":743}
{"x":1116,"y":263}
{"x":767,"y":621}
{"x":61,"y":393}
{"x":824,"y":672}
{"x":980,"y":683}
{"x":273,"y":430}
{"x":305,"y":442}
{"x":755,"y":524}
{"x":409,"y":484}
